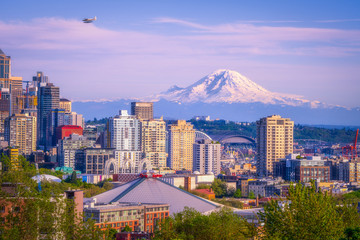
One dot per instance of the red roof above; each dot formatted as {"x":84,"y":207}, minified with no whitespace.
{"x":70,"y":127}
{"x":205,"y":191}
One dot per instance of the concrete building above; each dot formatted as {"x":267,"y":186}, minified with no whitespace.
{"x":20,"y":132}
{"x":68,"y":147}
{"x":274,"y":142}
{"x":153,"y":141}
{"x":142,"y":110}
{"x":65,"y":104}
{"x":181,"y":140}
{"x":206,"y":157}
{"x":93,"y":160}
{"x":294,"y":168}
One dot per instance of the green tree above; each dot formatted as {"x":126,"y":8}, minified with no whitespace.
{"x":219,"y":187}
{"x":190,"y":224}
{"x":307,"y":214}
{"x":352,"y":234}
{"x":251,"y":195}
{"x":127,"y":228}
{"x":73,"y":178}
{"x":237,"y":193}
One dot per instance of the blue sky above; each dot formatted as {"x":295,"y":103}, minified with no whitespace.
{"x":138,"y":48}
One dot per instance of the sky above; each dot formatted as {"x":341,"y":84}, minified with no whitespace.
{"x":140,"y":48}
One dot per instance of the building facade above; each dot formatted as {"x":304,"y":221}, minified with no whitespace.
{"x":69,"y":147}
{"x":20,"y":132}
{"x":65,"y":104}
{"x":181,"y":140}
{"x":48,"y":100}
{"x":142,"y":110}
{"x":207,"y":155}
{"x":274,"y":141}
{"x":153,"y":141}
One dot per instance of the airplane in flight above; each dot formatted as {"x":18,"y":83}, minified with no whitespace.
{"x":89,"y":20}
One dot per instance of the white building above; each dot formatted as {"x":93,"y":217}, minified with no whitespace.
{"x":206,"y":156}
{"x":124,"y":132}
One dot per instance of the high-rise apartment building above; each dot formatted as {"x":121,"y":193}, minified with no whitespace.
{"x":65,"y":104}
{"x":48,"y":100}
{"x":142,"y":110}
{"x":181,"y":140}
{"x":124,"y":132}
{"x":274,"y":141}
{"x":20,"y":132}
{"x":207,"y":155}
{"x":124,"y":135}
{"x":72,"y":118}
{"x":153,"y":141}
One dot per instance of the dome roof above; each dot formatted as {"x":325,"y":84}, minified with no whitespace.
{"x":46,"y":177}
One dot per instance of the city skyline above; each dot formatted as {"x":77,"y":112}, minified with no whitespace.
{"x":143,"y":48}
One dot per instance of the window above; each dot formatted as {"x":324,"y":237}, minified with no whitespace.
{"x":2,"y":209}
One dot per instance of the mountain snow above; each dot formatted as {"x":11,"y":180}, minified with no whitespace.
{"x":230,"y":87}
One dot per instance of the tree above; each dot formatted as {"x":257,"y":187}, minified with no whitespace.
{"x":127,"y":229}
{"x":352,"y":234}
{"x":73,"y":178}
{"x":307,"y":214}
{"x":251,"y":195}
{"x":237,"y":193}
{"x":219,"y":187}
{"x":190,"y":224}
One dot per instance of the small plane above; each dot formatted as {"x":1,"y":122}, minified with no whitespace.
{"x":89,"y":20}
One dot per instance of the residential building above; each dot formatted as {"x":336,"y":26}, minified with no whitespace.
{"x":55,"y":118}
{"x":142,"y":110}
{"x":153,"y":141}
{"x":20,"y":132}
{"x":258,"y":188}
{"x":181,"y":140}
{"x":68,"y":147}
{"x":206,"y":156}
{"x":274,"y":142}
{"x":124,"y":132}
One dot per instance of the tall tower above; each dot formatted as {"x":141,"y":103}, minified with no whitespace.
{"x":142,"y":110}
{"x":181,"y":140}
{"x":20,"y":132}
{"x":153,"y":141}
{"x":274,"y":141}
{"x":48,"y":99}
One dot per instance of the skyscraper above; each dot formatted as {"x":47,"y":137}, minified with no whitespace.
{"x":20,"y":132}
{"x":48,"y":100}
{"x":124,"y":135}
{"x":153,"y":141}
{"x":181,"y":140}
{"x":142,"y":110}
{"x":207,"y":156}
{"x":274,"y":141}
{"x":5,"y":66}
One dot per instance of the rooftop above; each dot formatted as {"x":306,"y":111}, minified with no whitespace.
{"x":154,"y":190}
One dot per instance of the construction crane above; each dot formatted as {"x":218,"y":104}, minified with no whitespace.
{"x":349,"y":151}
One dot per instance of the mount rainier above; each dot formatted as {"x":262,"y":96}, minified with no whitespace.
{"x":228,"y":86}
{"x":227,"y":94}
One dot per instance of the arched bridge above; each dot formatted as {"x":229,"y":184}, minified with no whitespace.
{"x":239,"y":139}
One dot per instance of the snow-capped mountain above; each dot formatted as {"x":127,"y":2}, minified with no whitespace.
{"x":230,"y":87}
